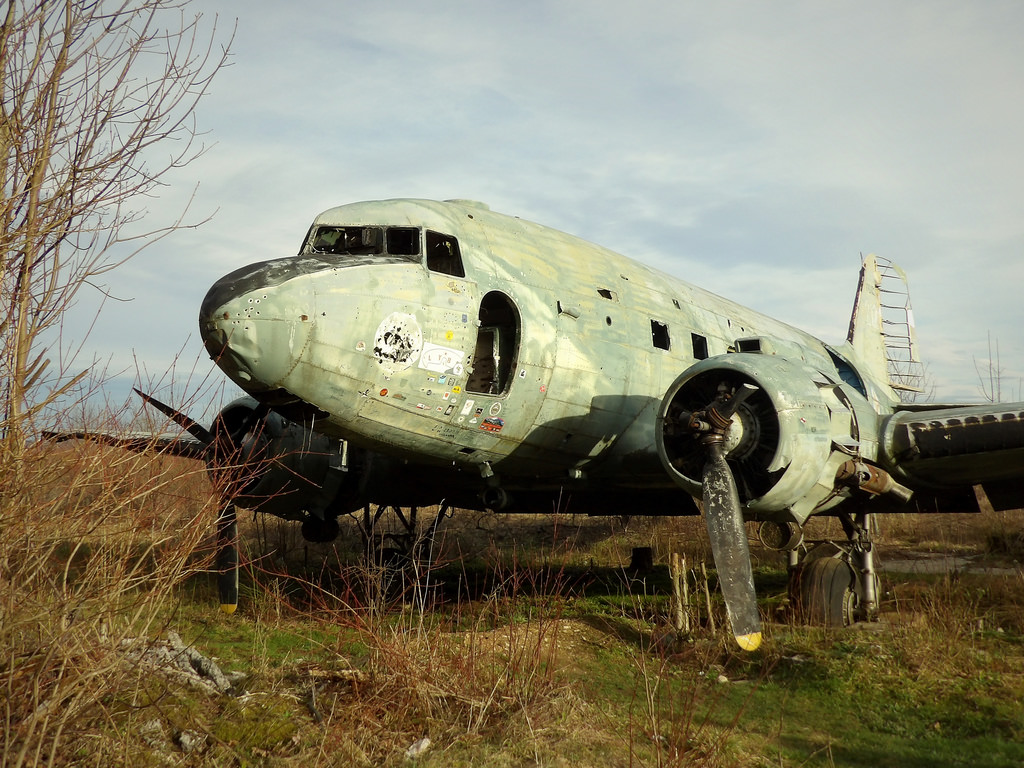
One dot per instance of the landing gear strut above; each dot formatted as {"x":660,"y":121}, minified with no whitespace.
{"x":408,"y":544}
{"x":836,"y":584}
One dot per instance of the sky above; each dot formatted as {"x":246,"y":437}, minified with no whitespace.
{"x":754,"y":149}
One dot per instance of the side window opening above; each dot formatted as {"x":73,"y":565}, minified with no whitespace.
{"x":700,"y":346}
{"x":443,"y":254}
{"x":847,"y":372}
{"x":497,"y":346}
{"x":659,"y":335}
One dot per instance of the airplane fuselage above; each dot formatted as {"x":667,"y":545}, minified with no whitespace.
{"x":447,"y":334}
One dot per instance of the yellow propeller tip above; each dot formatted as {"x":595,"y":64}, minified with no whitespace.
{"x":749,"y":642}
{"x":228,"y":608}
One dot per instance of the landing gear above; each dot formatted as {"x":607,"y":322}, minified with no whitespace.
{"x":823,"y":592}
{"x":396,"y":548}
{"x":399,"y":562}
{"x":836,"y":584}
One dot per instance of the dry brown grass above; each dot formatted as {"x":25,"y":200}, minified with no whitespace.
{"x":350,"y":665}
{"x":92,"y":543}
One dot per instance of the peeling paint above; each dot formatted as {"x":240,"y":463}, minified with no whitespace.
{"x":398,"y":342}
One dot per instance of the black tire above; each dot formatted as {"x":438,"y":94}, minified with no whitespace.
{"x":320,"y":531}
{"x":823,"y":592}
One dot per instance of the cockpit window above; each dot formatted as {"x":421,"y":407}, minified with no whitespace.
{"x":346,"y":240}
{"x":443,"y":254}
{"x":361,"y":241}
{"x":404,"y":241}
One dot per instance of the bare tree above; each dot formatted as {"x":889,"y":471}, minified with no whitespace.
{"x":97,"y":101}
{"x":990,"y":374}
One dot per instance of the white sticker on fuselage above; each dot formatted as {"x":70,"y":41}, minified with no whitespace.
{"x":440,"y":359}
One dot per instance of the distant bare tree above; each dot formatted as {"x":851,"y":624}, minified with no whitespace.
{"x":990,"y":374}
{"x":97,"y":101}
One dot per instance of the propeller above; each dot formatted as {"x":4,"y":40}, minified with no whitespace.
{"x":723,"y":515}
{"x":222,"y":447}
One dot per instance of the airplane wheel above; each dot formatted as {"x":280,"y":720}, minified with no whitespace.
{"x":320,"y":531}
{"x":824,"y":592}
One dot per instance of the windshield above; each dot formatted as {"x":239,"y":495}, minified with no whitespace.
{"x":359,"y":241}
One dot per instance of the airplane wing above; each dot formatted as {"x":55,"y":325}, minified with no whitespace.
{"x":140,"y":442}
{"x":949,"y":446}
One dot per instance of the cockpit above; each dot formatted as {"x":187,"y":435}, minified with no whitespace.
{"x":441,"y":251}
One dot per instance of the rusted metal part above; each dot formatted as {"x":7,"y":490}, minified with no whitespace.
{"x":872,"y":479}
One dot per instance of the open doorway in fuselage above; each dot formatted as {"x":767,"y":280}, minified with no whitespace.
{"x":497,"y":346}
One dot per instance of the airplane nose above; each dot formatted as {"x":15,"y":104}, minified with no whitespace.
{"x":255,"y":322}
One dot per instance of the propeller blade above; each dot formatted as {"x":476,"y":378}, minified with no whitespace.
{"x":227,"y":522}
{"x":724,"y":520}
{"x":193,"y":427}
{"x":227,"y":558}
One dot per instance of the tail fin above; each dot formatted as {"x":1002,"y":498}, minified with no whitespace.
{"x":882,"y":326}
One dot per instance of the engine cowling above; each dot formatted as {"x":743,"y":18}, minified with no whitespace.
{"x":786,"y":440}
{"x":269,"y":464}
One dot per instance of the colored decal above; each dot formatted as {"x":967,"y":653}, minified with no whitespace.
{"x":457,"y":370}
{"x":440,"y":359}
{"x":467,"y":407}
{"x":495,"y":409}
{"x":398,"y":343}
{"x":446,"y":396}
{"x":449,"y":409}
{"x":360,"y":346}
{"x":492,"y":424}
{"x":456,"y":389}
{"x":543,"y":388}
{"x":384,"y":392}
{"x":398,"y":396}
{"x":449,"y":335}
{"x":522,"y":374}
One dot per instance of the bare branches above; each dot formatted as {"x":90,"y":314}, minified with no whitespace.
{"x":97,"y":105}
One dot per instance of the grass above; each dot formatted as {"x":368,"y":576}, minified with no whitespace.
{"x":534,"y":644}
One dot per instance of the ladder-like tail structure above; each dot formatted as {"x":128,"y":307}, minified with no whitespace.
{"x":882,"y":327}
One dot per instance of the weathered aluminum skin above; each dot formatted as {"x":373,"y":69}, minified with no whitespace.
{"x":383,"y":348}
{"x":956,"y":446}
